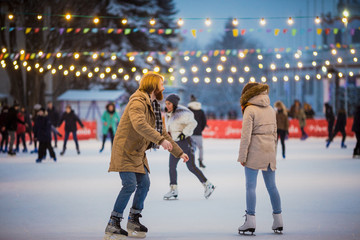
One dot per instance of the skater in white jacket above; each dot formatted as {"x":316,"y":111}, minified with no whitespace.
{"x":180,"y":124}
{"x":258,"y":151}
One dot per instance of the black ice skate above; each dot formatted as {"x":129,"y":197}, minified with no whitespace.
{"x":134,"y":227}
{"x":114,"y":231}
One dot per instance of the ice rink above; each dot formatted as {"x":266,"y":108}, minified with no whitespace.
{"x":73,"y":198}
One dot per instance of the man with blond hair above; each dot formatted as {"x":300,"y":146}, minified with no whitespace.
{"x":140,"y":128}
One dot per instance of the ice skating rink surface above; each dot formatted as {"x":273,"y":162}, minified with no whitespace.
{"x":73,"y":198}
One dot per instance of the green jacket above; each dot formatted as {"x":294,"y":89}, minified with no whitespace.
{"x":109,"y":120}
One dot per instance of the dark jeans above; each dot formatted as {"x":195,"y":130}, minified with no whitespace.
{"x":186,"y":146}
{"x":55,"y":133}
{"x":22,"y":137}
{"x":132,"y":182}
{"x":4,"y":140}
{"x":105,"y":136}
{"x":357,"y":134}
{"x":330,"y":128}
{"x":67,"y":133}
{"x":282,"y":134}
{"x":343,"y":133}
{"x":43,"y":146}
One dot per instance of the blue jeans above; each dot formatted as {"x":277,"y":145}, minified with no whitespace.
{"x":67,"y":133}
{"x":132,"y":181}
{"x":269,"y":179}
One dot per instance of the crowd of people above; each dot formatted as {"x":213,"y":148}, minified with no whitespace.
{"x":16,"y":122}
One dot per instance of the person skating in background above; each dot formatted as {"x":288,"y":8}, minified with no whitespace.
{"x":3,"y":130}
{"x":258,"y":152}
{"x":330,"y":118}
{"x":110,"y":119}
{"x":37,"y":108}
{"x":297,"y":112}
{"x":309,"y":112}
{"x":200,"y":118}
{"x":180,"y":124}
{"x":20,"y":131}
{"x":28,"y":124}
{"x":282,"y":122}
{"x":11,"y":126}
{"x":140,"y":129}
{"x":42,"y":133}
{"x":339,"y":127}
{"x":356,"y":129}
{"x":54,"y":119}
{"x":70,"y":119}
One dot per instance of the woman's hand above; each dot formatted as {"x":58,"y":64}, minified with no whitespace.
{"x":185,"y":157}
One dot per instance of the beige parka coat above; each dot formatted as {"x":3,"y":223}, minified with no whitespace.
{"x":259,"y":133}
{"x":134,"y":134}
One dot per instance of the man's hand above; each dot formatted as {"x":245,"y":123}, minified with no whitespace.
{"x":185,"y":157}
{"x":166,"y":145}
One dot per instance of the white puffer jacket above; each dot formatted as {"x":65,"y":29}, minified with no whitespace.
{"x":180,"y":121}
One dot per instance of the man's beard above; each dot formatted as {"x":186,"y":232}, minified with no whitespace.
{"x":159,"y":95}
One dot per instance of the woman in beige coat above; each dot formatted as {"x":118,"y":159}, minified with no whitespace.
{"x":140,"y":129}
{"x":258,"y":151}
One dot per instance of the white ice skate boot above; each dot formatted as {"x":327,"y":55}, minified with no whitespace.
{"x":249,"y":225}
{"x":278,"y":223}
{"x":172,"y":194}
{"x":209,"y":188}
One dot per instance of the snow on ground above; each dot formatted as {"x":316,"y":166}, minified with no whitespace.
{"x":73,"y":198}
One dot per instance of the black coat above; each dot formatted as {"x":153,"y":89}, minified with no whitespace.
{"x":329,"y":114}
{"x":200,"y":117}
{"x":356,"y":123}
{"x":12,"y":119}
{"x":53,"y":116}
{"x":42,"y":129}
{"x":3,"y":119}
{"x":70,"y":121}
{"x":340,"y":121}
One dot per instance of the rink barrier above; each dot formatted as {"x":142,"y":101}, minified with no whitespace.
{"x":229,"y":129}
{"x":232,"y":128}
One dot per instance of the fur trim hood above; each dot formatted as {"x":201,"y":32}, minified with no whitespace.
{"x":253,"y":92}
{"x":194,"y":105}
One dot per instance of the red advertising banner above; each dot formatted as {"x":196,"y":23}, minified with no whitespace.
{"x":232,"y":128}
{"x":88,"y":132}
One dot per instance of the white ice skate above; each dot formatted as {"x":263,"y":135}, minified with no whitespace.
{"x":209,"y":188}
{"x":172,"y":194}
{"x":249,"y":225}
{"x":277,"y":226}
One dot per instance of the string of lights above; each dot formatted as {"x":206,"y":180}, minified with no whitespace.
{"x":180,"y":21}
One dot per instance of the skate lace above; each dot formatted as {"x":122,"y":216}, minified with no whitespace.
{"x":136,"y":218}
